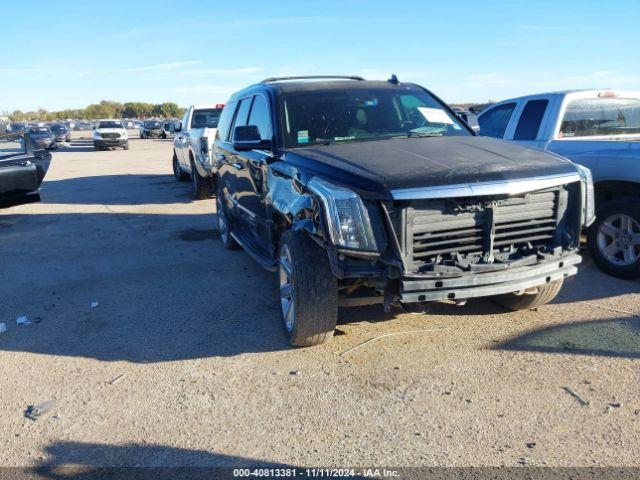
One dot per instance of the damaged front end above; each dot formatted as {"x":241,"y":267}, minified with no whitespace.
{"x":435,"y":244}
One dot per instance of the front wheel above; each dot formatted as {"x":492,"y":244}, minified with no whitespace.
{"x":544,"y":295}
{"x":308,"y":291}
{"x":126,"y":146}
{"x":614,"y":238}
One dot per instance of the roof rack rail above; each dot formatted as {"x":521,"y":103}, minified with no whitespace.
{"x":311,"y":77}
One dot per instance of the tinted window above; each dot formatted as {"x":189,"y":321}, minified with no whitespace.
{"x":243,"y":112}
{"x":39,"y":130}
{"x":260,"y":117}
{"x":494,"y":122}
{"x":206,"y":118}
{"x":530,"y":120}
{"x":110,"y":124}
{"x":225,"y":121}
{"x":601,"y":116}
{"x":354,"y":114}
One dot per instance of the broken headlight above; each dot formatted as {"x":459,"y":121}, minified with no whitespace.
{"x":588,"y":198}
{"x":347,"y":218}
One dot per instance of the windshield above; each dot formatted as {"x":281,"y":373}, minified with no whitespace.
{"x":109,"y":124}
{"x":342,"y":115}
{"x":58,"y":128}
{"x":17,"y":126}
{"x":152,"y":124}
{"x":39,"y":130}
{"x":206,"y":118}
{"x":588,"y":117}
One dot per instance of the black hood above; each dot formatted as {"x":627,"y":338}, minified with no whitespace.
{"x":382,"y":165}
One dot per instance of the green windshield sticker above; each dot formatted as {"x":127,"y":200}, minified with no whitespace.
{"x":303,"y":136}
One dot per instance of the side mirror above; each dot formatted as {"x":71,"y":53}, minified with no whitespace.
{"x":247,"y":137}
{"x":94,"y":127}
{"x":177,"y":127}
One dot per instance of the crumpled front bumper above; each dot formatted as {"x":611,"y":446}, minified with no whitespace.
{"x":421,"y":289}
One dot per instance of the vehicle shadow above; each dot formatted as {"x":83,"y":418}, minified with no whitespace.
{"x":14,"y":201}
{"x":612,"y":338}
{"x":115,"y":190}
{"x":84,"y":461}
{"x":167,"y":290}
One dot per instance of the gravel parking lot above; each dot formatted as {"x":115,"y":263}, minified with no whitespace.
{"x":183,"y":361}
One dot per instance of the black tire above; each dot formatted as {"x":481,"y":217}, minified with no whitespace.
{"x":96,"y":147}
{"x":141,"y":136}
{"x":180,"y":174}
{"x":313,"y":291}
{"x":546,"y":293}
{"x":597,"y":241}
{"x":126,"y":146}
{"x":227,"y":240}
{"x":202,"y":188}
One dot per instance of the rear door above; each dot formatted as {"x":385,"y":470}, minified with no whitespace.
{"x":230,"y":168}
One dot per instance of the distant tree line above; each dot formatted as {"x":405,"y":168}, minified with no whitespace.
{"x":104,"y":109}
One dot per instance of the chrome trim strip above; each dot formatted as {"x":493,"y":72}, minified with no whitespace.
{"x":502,"y":187}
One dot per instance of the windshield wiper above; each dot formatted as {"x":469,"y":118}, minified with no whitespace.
{"x":422,"y":134}
{"x":324,"y":141}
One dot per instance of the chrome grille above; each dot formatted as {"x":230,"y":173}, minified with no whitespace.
{"x":110,"y":135}
{"x":439,"y":229}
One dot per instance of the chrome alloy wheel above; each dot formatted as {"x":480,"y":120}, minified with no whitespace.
{"x":287,"y":298}
{"x":619,"y":239}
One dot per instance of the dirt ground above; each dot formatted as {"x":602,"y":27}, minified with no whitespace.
{"x":183,"y":361}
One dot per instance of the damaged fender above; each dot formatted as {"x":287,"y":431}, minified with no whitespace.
{"x":287,"y":198}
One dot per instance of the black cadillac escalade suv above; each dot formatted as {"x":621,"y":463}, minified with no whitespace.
{"x":362,"y":192}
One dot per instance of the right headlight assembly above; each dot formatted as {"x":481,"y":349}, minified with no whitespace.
{"x":346,"y":216}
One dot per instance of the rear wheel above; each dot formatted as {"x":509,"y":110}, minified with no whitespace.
{"x":545,"y":293}
{"x":180,"y":175}
{"x":614,"y":238}
{"x":202,"y":187}
{"x":308,"y":291}
{"x":223,"y":224}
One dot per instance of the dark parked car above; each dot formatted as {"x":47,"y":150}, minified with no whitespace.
{"x":151,"y":129}
{"x":168,"y":128}
{"x":17,"y":127}
{"x":22,"y":165}
{"x":43,"y":137}
{"x":61,"y":132}
{"x":360,"y":192}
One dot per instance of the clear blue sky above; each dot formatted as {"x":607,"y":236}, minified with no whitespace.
{"x":67,"y":54}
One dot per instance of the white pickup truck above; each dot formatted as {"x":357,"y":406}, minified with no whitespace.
{"x":194,"y":136}
{"x":599,"y":129}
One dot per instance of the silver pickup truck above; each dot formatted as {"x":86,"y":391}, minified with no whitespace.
{"x":597,"y":129}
